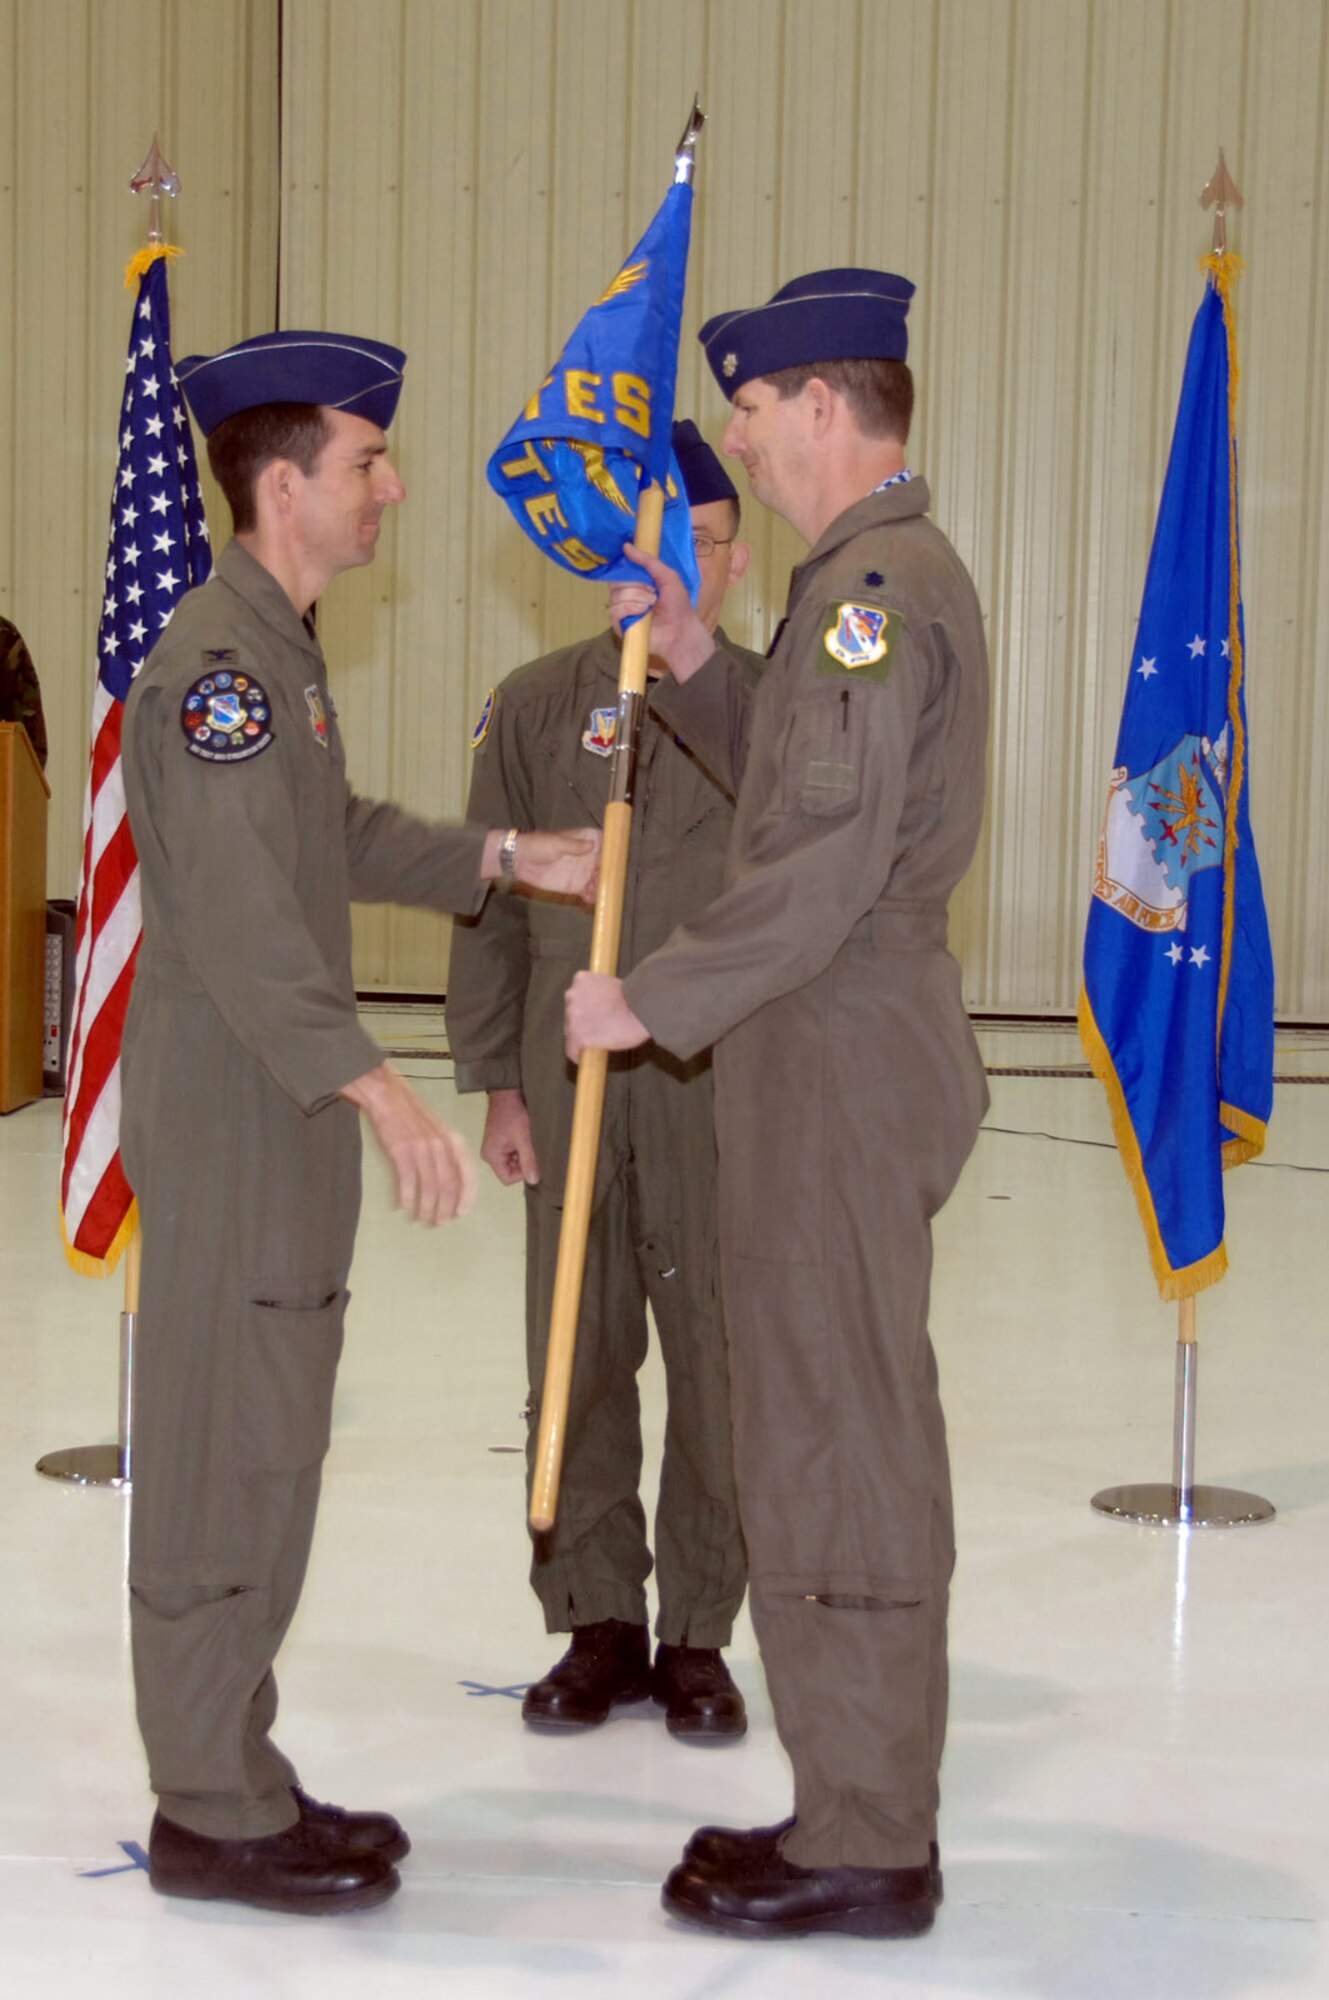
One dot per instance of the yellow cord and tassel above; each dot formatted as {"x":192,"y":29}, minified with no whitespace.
{"x":143,"y":260}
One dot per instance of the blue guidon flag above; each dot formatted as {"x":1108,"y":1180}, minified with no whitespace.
{"x":1176,"y":1013}
{"x":597,"y":430}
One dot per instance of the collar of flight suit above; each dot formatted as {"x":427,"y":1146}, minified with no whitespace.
{"x":260,"y":590}
{"x":878,"y":510}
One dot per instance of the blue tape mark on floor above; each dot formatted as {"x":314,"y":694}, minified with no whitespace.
{"x":474,"y":1688}
{"x":137,"y":1859}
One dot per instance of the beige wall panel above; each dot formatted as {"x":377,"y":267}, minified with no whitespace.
{"x":463,"y":177}
{"x":1284,"y":412}
{"x":83,"y":86}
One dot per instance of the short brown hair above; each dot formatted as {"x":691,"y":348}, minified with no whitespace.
{"x":880,"y":393}
{"x":240,"y":448}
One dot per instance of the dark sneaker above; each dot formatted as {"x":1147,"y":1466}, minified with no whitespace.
{"x":692,"y":1685}
{"x":607,"y":1664}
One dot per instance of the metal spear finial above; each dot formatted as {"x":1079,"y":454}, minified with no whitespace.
{"x":1221,"y":193}
{"x":685,"y":157}
{"x":158,"y":174}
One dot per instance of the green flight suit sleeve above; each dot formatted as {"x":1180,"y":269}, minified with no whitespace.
{"x":489,"y":967}
{"x":712,"y":713}
{"x":394,"y":857}
{"x":228,"y":839}
{"x":818,"y":851}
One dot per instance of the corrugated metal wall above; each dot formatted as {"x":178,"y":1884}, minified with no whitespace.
{"x":461,"y":176}
{"x":84,"y":84}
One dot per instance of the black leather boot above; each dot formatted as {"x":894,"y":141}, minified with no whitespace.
{"x":297,"y":1871}
{"x":354,"y":1832}
{"x":692,"y":1685}
{"x":774,"y":1898}
{"x":719,"y":1849}
{"x":606,"y":1664}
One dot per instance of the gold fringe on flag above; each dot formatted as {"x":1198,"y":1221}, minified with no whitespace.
{"x":102,"y":1267}
{"x":1190,"y":1278}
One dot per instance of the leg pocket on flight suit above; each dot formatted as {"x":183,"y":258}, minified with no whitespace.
{"x":285,"y":1374}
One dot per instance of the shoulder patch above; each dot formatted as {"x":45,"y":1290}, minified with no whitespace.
{"x":318,"y":717}
{"x":859,"y":639}
{"x":601,"y":732}
{"x":226,"y":716}
{"x":481,"y":729}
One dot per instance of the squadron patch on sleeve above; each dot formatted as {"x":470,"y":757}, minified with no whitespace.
{"x":225,"y":716}
{"x":486,"y":716}
{"x":860,"y":639}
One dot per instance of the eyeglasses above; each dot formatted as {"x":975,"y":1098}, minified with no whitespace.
{"x":706,"y":543}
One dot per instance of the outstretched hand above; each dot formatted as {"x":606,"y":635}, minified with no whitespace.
{"x":559,"y":864}
{"x":434,"y":1171}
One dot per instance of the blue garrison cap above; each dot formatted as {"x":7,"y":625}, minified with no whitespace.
{"x":846,"y":315}
{"x":704,"y":477}
{"x":346,"y":373}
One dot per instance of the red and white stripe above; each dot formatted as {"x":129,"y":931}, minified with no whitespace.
{"x":97,"y":1205}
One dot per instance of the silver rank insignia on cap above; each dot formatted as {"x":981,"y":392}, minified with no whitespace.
{"x":730,"y":364}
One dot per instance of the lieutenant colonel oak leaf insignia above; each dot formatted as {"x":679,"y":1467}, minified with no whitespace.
{"x":225,"y":715}
{"x":860,"y":639}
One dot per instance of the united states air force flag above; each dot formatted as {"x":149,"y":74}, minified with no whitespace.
{"x":1176,"y":1014}
{"x":597,"y":429}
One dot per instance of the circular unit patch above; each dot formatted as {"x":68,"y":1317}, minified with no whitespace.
{"x":226,"y":718}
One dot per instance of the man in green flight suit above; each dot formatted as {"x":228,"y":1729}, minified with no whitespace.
{"x":542,"y":755}
{"x":849,"y":1091}
{"x":244,"y":1068}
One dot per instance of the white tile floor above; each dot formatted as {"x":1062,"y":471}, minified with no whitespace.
{"x":1135,"y":1784}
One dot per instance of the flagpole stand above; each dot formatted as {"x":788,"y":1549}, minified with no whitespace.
{"x":1183,"y":1504}
{"x":108,"y":1464}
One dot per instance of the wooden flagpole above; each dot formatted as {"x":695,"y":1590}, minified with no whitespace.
{"x":588,"y":1110}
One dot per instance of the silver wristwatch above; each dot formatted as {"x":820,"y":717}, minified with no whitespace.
{"x":507,"y":855}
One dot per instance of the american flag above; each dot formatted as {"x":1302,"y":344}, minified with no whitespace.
{"x":158,"y":549}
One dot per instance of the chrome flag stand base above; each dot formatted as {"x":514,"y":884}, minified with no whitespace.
{"x":1171,"y":1507}
{"x":103,"y":1464}
{"x":1183,"y":1504}
{"x":87,"y":1465}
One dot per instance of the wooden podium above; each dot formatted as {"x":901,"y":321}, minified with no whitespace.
{"x":23,"y":795}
